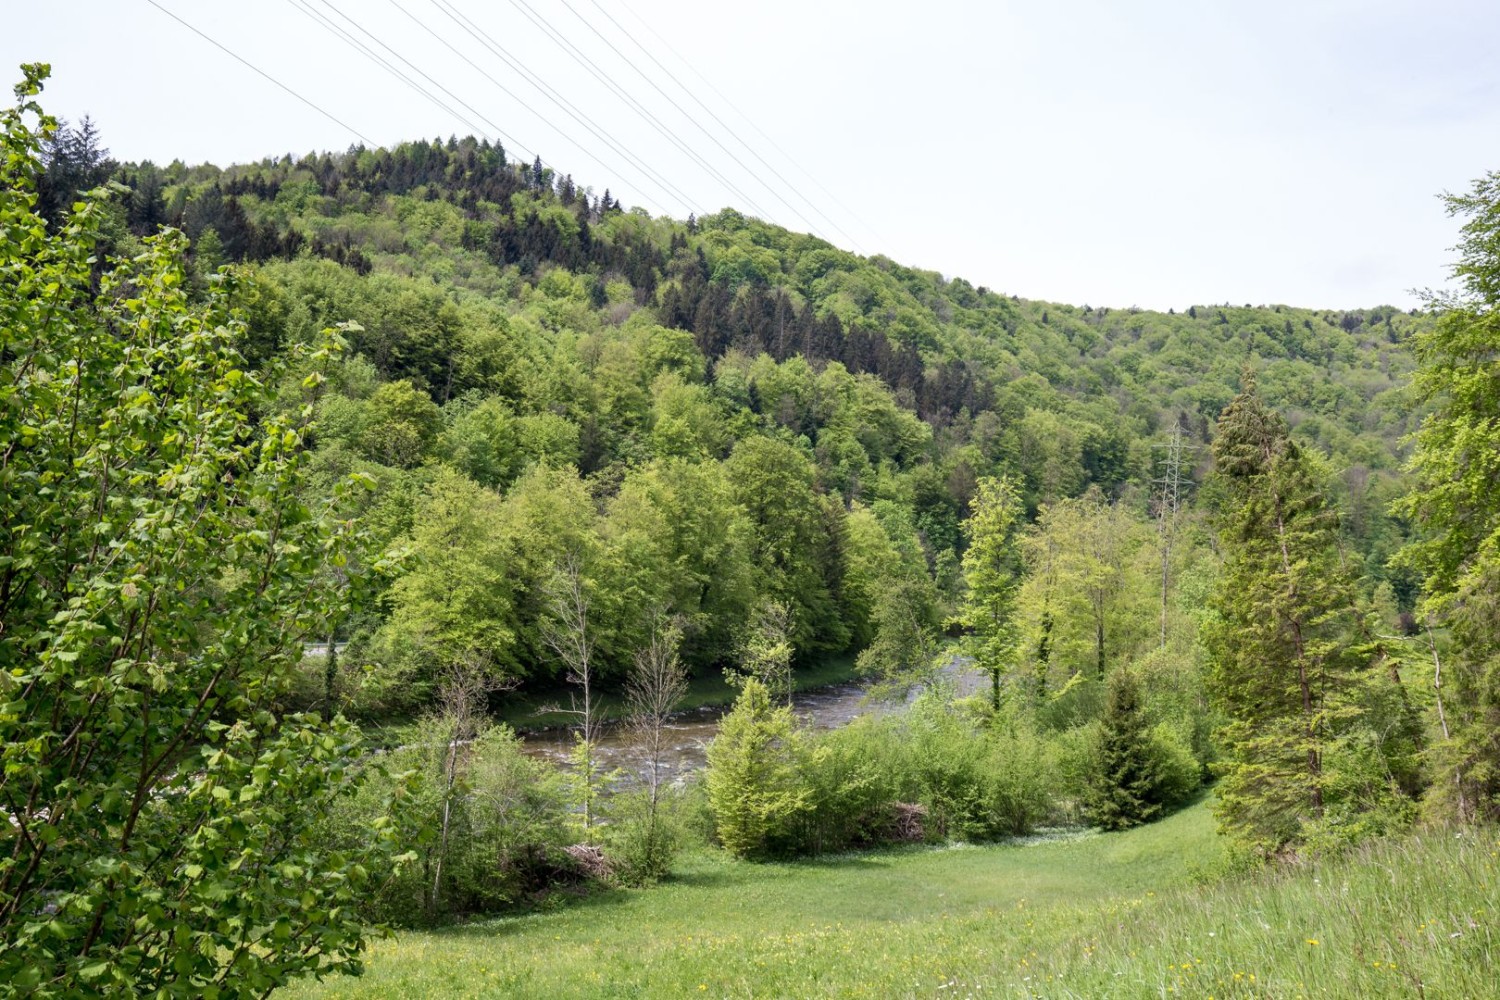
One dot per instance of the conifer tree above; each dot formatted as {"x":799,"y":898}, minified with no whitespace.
{"x":1456,"y":465}
{"x":1280,"y":673}
{"x":751,"y":778}
{"x":1127,"y":790}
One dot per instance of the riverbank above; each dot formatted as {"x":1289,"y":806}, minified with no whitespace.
{"x":708,"y":696}
{"x":527,"y":712}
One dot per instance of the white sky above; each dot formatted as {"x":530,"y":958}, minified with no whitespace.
{"x":1153,"y":154}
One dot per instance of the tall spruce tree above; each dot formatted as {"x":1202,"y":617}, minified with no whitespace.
{"x":1281,"y":673}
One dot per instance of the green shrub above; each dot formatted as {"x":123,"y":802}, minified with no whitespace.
{"x":641,"y":842}
{"x":1019,"y":783}
{"x":1362,"y":797}
{"x":752,"y":779}
{"x":1179,"y":772}
{"x":976,"y":783}
{"x":852,"y":778}
{"x":508,"y":823}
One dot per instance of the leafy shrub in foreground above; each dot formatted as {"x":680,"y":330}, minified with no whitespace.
{"x":508,"y":823}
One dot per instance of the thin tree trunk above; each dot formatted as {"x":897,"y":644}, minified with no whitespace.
{"x":450,"y":777}
{"x":1099,"y":645}
{"x":1166,"y":558}
{"x":1437,"y":679}
{"x":330,"y":676}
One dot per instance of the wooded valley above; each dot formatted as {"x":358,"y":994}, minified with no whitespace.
{"x":395,"y":441}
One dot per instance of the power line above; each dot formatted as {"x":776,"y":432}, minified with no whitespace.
{"x":513,"y":96}
{"x":479,"y":35}
{"x":722,"y":124}
{"x":354,"y":43}
{"x":749,"y":121}
{"x":516,"y":143}
{"x":582,"y":58}
{"x":672,"y":101}
{"x":246,"y":63}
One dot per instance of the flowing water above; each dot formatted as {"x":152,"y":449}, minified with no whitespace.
{"x":688,"y":734}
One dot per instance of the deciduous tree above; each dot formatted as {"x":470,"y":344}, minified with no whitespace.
{"x":158,"y":574}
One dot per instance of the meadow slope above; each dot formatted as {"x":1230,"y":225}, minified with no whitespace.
{"x":1098,"y":915}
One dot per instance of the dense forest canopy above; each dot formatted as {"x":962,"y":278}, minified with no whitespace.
{"x":528,"y":346}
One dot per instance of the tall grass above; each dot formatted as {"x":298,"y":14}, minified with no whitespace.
{"x":1093,"y":916}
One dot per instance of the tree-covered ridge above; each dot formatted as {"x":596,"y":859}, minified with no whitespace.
{"x":460,"y":212}
{"x":716,"y":413}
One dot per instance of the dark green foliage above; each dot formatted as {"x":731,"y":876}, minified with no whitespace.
{"x":1454,"y":497}
{"x":1129,"y":786}
{"x":1292,"y":670}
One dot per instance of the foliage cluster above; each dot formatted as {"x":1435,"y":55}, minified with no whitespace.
{"x":936,"y":770}
{"x":160,"y":564}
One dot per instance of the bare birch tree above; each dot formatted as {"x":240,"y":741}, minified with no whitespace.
{"x":567,"y":632}
{"x":656,"y":684}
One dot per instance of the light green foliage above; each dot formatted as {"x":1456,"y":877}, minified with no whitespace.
{"x":751,"y":778}
{"x":508,"y":822}
{"x":458,"y":599}
{"x":1085,"y":603}
{"x":673,"y":537}
{"x":685,"y":420}
{"x":1456,"y":464}
{"x":548,"y":439}
{"x":482,"y":442}
{"x":993,"y":570}
{"x":776,"y":484}
{"x":765,"y":651}
{"x":400,"y":423}
{"x":547,"y":518}
{"x":158,"y":571}
{"x":891,"y":597}
{"x":977,"y":781}
{"x":643,"y":839}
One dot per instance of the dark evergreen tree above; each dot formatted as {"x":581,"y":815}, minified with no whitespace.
{"x":1128,"y":789}
{"x":76,"y":161}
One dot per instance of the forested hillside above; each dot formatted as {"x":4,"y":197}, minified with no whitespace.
{"x":714,"y":411}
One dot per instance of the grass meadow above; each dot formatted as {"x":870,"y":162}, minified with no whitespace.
{"x":1075,"y":916}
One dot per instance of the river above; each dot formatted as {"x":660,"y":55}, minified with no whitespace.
{"x":689,"y":733}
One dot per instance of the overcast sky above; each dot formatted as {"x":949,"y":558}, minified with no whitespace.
{"x":1152,"y":154}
